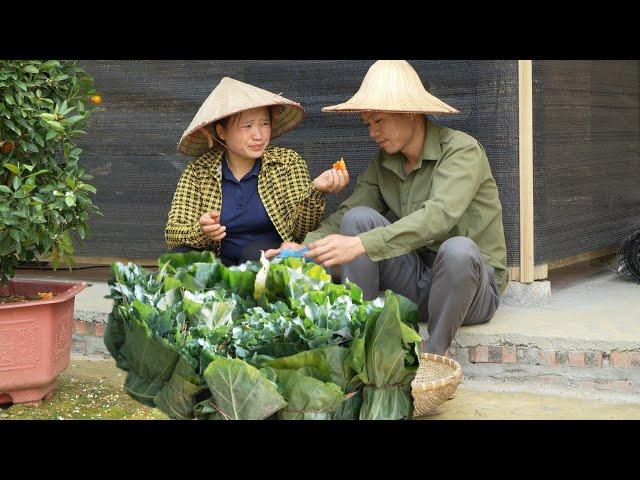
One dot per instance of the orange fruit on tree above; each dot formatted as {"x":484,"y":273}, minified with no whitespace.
{"x":7,"y":146}
{"x":96,"y":99}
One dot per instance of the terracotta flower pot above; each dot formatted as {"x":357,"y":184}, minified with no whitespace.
{"x":35,"y":339}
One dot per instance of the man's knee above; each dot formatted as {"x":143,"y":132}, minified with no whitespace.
{"x":459,"y":252}
{"x":360,"y":219}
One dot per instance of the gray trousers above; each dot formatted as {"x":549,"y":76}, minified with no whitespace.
{"x":451,"y":288}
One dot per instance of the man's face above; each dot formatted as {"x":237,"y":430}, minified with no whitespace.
{"x":391,"y":131}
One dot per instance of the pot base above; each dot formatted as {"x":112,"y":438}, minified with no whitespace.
{"x":29,"y":396}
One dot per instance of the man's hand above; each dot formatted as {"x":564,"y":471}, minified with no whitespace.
{"x":331,"y":181}
{"x":210,"y":226}
{"x":335,"y":250}
{"x":272,"y":252}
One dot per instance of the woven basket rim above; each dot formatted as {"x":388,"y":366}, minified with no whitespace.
{"x":454,"y":377}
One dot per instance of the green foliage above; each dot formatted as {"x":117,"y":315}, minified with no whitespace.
{"x":269,"y":340}
{"x":44,"y":197}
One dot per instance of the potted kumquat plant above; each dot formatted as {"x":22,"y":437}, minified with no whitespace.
{"x":44,"y":199}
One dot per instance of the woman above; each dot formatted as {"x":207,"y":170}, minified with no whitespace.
{"x":241,"y":195}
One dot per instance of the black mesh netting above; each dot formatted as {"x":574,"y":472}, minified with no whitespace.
{"x":131,"y":145}
{"x":586,"y":123}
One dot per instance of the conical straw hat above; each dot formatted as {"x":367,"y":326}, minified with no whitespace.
{"x":230,"y":97}
{"x":392,"y":86}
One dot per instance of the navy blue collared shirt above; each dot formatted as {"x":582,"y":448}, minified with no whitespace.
{"x":244,"y":215}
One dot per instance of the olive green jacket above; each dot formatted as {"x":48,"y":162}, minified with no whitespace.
{"x":451,"y":192}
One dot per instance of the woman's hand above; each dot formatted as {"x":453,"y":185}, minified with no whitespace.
{"x":272,"y":252}
{"x":210,"y":226}
{"x":331,"y":181}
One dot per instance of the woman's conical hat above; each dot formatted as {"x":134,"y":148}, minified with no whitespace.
{"x":230,"y":97}
{"x":392,"y":86}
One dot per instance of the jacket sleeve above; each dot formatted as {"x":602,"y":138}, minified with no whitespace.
{"x":455,"y":184}
{"x":366,"y":193}
{"x":308,"y":201}
{"x":183,"y":226}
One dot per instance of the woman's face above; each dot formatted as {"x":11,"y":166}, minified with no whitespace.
{"x":247,"y":133}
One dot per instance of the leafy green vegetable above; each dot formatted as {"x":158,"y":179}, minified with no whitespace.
{"x":261,"y":340}
{"x":240,"y":391}
{"x":177,"y":396}
{"x":308,"y":398}
{"x":387,"y":370}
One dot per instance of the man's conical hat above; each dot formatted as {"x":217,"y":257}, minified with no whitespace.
{"x":392,"y":86}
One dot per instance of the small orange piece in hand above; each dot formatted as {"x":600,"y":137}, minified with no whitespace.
{"x":340,"y":165}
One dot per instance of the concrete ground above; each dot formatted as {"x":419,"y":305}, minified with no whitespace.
{"x":91,"y":388}
{"x":591,"y":308}
{"x":580,"y":360}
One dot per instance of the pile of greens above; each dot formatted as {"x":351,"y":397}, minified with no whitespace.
{"x":260,"y":340}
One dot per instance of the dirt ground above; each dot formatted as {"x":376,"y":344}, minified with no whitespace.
{"x":92,"y":389}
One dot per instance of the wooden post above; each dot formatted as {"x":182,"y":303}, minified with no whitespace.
{"x":525,"y":95}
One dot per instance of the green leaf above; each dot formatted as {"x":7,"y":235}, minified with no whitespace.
{"x":308,"y":398}
{"x":9,"y":99}
{"x":55,"y":125}
{"x":39,"y":172}
{"x":15,"y":234}
{"x":30,"y":147}
{"x":13,"y":127}
{"x":4,"y":188}
{"x":51,"y":134}
{"x":31,"y":69}
{"x":70,"y":199}
{"x":311,"y":358}
{"x":12,"y":168}
{"x":388,"y":393}
{"x":151,"y":358}
{"x":39,"y":140}
{"x":176,"y":260}
{"x":240,"y":391}
{"x":87,"y":187}
{"x":75,"y":119}
{"x":48,"y":116}
{"x":80,"y":229}
{"x":177,"y":397}
{"x":114,"y":337}
{"x":48,"y":65}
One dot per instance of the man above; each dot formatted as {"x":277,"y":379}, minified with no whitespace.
{"x":446,"y":251}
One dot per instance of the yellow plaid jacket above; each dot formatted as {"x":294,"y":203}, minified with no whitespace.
{"x":294,"y":206}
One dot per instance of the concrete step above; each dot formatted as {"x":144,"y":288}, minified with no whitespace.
{"x":586,"y":338}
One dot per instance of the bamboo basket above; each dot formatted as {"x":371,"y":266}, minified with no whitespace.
{"x":435,"y":382}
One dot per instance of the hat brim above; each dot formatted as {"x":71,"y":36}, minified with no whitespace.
{"x":385,"y":110}
{"x":195,"y":143}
